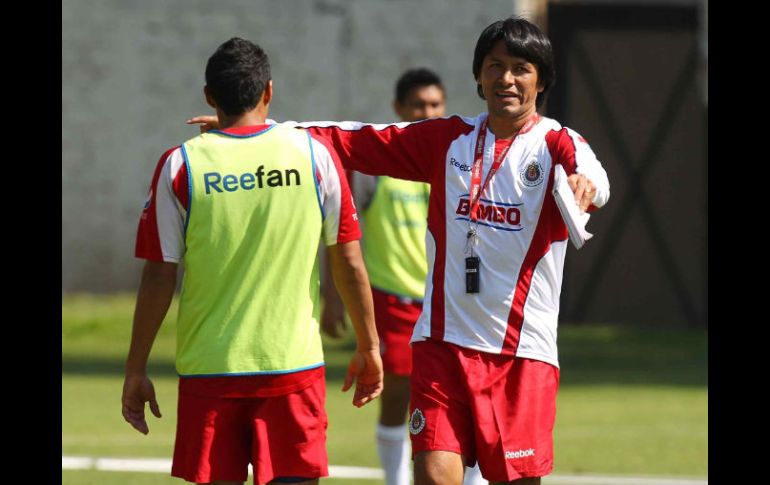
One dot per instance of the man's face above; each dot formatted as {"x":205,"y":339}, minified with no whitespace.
{"x":420,"y":103}
{"x":510,"y":84}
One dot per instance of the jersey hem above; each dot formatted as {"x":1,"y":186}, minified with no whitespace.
{"x":489,"y":350}
{"x":536,"y":356}
{"x":257,"y":373}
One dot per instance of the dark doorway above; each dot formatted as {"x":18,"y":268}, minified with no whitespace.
{"x":627,"y":81}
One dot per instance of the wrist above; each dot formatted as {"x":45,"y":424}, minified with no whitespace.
{"x":133,"y":370}
{"x":371,"y":347}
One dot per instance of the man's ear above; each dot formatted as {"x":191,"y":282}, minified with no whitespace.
{"x":397,"y":107}
{"x":209,"y":99}
{"x":267,"y":95}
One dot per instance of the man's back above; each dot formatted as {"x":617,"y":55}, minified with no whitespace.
{"x":245,"y":208}
{"x":250,"y":296}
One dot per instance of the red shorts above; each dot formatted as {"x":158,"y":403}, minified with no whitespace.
{"x":281,"y":436}
{"x":490,"y":408}
{"x":395,"y":321}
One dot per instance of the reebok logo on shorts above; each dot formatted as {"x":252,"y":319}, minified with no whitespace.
{"x":416,"y":422}
{"x":519,"y":454}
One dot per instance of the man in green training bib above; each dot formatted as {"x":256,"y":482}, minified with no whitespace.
{"x":244,"y":207}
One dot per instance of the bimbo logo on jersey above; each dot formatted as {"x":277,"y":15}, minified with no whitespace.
{"x":499,"y":215}
{"x":216,"y":182}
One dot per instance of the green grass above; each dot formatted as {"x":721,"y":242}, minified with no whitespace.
{"x":632,"y":401}
{"x":93,"y":477}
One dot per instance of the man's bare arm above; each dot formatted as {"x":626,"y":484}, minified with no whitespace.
{"x":352,"y":282}
{"x":153,"y":299}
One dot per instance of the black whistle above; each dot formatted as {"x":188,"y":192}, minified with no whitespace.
{"x":472,"y":274}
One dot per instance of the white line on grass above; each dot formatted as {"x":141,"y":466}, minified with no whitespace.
{"x":163,"y":465}
{"x":608,"y":480}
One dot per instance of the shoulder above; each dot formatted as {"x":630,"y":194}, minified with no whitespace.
{"x":556,"y":131}
{"x":171,"y":153}
{"x":319,"y":145}
{"x":171,"y":157}
{"x":453,"y":122}
{"x":558,"y":137}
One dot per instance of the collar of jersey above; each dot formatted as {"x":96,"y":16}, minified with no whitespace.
{"x":244,"y":131}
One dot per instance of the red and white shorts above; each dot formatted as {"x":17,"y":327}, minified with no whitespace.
{"x":494,"y":409}
{"x":395,"y":319}
{"x":282,"y":436}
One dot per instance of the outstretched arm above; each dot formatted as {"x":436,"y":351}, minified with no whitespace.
{"x":411,"y":151}
{"x":352,"y":282}
{"x":153,"y":299}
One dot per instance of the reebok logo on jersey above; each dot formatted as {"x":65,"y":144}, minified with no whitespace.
{"x":510,"y":455}
{"x":215,"y":181}
{"x":463,"y":167}
{"x":499,"y":215}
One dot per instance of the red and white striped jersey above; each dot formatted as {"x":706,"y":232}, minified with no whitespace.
{"x":522,"y":238}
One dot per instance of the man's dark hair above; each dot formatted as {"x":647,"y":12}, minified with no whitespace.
{"x":522,"y":39}
{"x":416,"y":78}
{"x":236,"y":75}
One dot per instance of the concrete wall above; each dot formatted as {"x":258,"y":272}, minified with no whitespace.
{"x":132,"y":72}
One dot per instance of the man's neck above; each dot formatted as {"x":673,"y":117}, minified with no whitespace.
{"x":257,"y":116}
{"x":506,"y":128}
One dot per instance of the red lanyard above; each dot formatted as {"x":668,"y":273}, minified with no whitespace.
{"x":478,"y":163}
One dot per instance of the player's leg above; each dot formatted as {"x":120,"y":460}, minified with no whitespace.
{"x":438,"y":468}
{"x":394,"y":400}
{"x":392,"y":441}
{"x":395,"y":321}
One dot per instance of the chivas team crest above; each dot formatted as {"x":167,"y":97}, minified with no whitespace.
{"x":416,"y":422}
{"x":532,"y":174}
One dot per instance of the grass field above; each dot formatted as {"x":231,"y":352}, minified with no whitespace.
{"x":632,"y":401}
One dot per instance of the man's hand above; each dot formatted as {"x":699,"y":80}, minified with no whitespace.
{"x":136,"y":391}
{"x":584,"y":190}
{"x":206,"y":122}
{"x":366,"y":369}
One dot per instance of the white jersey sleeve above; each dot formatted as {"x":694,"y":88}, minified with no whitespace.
{"x":340,"y":223}
{"x":162,"y":224}
{"x":589,"y":165}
